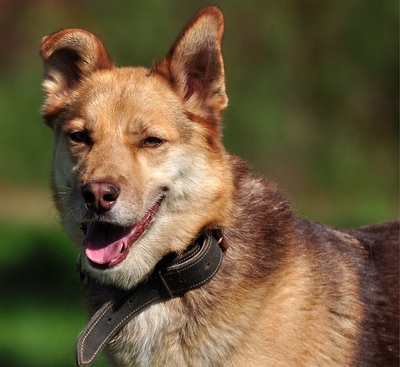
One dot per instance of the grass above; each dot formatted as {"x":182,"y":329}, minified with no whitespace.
{"x":41,"y":309}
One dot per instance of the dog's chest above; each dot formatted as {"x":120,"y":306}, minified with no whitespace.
{"x":169,"y":334}
{"x":155,"y":337}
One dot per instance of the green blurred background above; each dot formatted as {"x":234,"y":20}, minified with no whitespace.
{"x":313,"y":88}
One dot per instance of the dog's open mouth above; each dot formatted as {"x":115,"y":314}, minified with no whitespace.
{"x":107,"y":244}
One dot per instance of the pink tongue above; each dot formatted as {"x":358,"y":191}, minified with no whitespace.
{"x":104,"y":242}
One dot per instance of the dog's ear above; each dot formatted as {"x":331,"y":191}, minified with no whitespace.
{"x":194,"y":65}
{"x":69,"y":56}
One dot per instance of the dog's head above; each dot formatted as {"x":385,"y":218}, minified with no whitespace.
{"x":139,"y":168}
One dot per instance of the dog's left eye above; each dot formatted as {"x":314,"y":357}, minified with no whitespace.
{"x":152,"y":142}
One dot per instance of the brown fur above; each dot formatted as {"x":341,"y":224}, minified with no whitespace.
{"x":289,"y":293}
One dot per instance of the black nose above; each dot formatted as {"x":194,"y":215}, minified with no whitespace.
{"x":99,"y":196}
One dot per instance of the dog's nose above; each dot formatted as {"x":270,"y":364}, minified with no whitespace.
{"x":100,"y":197}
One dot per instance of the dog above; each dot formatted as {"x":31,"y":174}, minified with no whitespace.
{"x":144,"y":187}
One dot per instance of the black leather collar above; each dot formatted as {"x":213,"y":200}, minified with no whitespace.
{"x":171,"y":278}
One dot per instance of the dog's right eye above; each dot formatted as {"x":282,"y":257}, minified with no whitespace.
{"x":79,"y":137}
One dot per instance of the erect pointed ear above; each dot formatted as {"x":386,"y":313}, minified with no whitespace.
{"x":194,"y":65}
{"x":69,"y":56}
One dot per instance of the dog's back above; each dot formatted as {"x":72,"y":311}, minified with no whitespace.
{"x":380,"y":288}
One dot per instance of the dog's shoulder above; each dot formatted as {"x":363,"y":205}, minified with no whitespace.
{"x":370,"y":256}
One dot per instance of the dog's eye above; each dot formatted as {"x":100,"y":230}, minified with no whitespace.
{"x":79,"y":137}
{"x":152,"y":142}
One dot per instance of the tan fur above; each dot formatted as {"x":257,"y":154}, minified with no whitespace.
{"x":289,"y":293}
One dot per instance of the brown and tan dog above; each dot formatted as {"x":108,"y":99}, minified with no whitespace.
{"x":140,"y":171}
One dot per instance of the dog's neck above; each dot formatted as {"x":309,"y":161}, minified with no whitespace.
{"x":173,"y":276}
